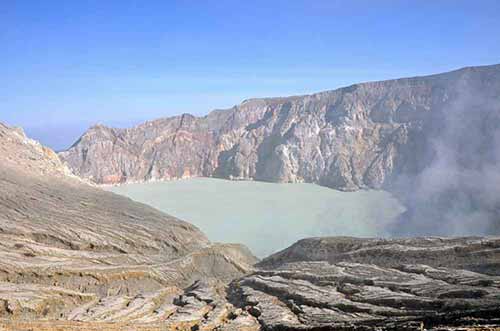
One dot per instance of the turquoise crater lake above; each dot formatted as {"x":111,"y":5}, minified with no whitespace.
{"x":268,"y":217}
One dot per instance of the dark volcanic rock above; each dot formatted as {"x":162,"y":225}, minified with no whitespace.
{"x":481,"y":254}
{"x":342,"y":283}
{"x":353,"y":296}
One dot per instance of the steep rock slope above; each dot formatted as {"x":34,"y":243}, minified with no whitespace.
{"x":69,"y":251}
{"x":359,"y":136}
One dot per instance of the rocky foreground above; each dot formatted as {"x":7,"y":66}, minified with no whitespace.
{"x":304,"y":295}
{"x":350,"y":283}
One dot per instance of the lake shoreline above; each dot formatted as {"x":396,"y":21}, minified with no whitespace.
{"x":266,"y":216}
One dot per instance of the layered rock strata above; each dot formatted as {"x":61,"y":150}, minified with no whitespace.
{"x":365,"y":135}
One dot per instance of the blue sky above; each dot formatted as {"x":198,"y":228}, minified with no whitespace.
{"x":68,"y":64}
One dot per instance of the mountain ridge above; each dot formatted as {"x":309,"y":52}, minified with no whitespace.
{"x":296,"y":96}
{"x":221,"y":116}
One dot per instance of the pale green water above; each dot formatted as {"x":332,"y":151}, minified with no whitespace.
{"x":264,"y":216}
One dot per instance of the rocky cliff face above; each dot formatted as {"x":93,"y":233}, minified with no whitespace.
{"x":346,"y":139}
{"x":400,"y":135}
{"x":364,"y":135}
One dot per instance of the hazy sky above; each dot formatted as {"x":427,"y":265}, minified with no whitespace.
{"x":68,"y":64}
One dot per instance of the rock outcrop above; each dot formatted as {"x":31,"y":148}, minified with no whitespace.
{"x":354,"y":296}
{"x":480,"y":254}
{"x":343,"y":283}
